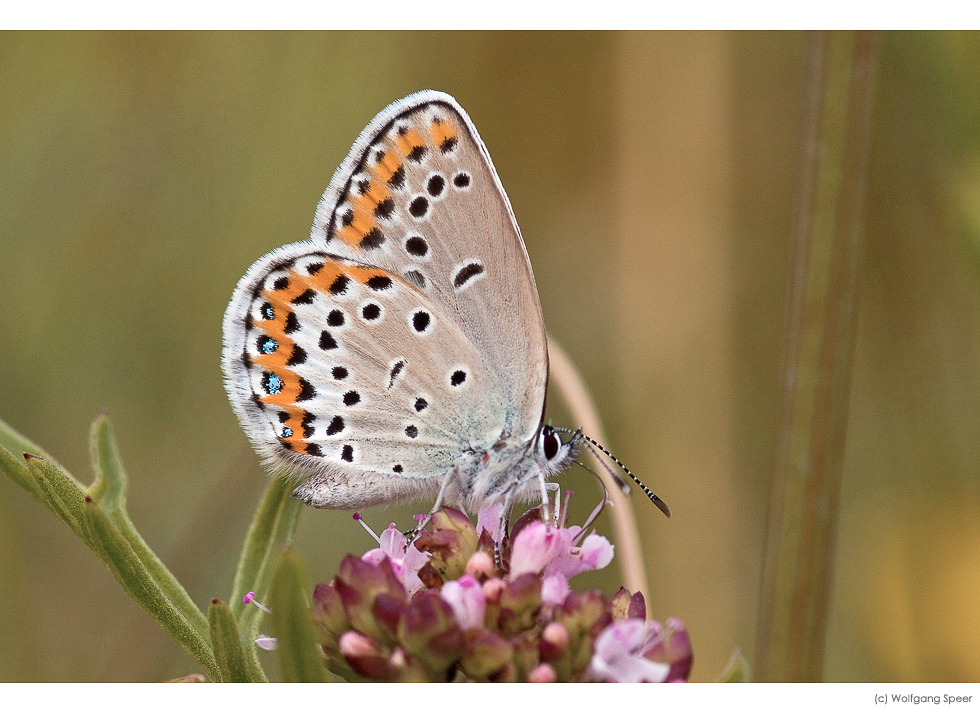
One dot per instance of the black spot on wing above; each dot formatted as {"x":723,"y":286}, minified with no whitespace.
{"x":467,"y":273}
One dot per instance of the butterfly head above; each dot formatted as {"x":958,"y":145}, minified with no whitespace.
{"x":555,"y":454}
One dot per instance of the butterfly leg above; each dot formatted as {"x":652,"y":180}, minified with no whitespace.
{"x":545,"y":499}
{"x":417,"y":530}
{"x":505,"y":513}
{"x":556,"y":489}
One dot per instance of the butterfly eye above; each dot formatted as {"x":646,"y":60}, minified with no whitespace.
{"x":550,"y":444}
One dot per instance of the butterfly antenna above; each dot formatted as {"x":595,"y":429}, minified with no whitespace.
{"x":623,"y":485}
{"x":590,"y":442}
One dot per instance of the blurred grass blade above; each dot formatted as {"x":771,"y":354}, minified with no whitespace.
{"x":227,"y":644}
{"x":271,"y":530}
{"x":129,"y":571}
{"x":300,"y":660}
{"x":62,"y":493}
{"x":823,"y":306}
{"x":737,"y":670}
{"x":109,"y":491}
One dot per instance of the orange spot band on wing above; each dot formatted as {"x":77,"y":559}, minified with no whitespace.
{"x":407,"y":141}
{"x":362,"y":224}
{"x":386,"y":168}
{"x":326,"y":276}
{"x":442,"y":132}
{"x":363,"y":274}
{"x":295,"y":424}
{"x":281,"y":303}
{"x":375,"y":194}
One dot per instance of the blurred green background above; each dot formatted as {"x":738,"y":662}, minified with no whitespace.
{"x":652,"y":175}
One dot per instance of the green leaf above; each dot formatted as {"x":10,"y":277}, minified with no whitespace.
{"x":61,"y":491}
{"x":109,"y":491}
{"x":115,"y":541}
{"x":226,"y":644}
{"x":271,"y":530}
{"x":300,"y":660}
{"x":737,"y":670}
{"x":14,"y":445}
{"x":109,"y":487}
{"x":17,"y":471}
{"x":127,"y":568}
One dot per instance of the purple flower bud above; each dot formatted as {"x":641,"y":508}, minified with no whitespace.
{"x":519,"y":603}
{"x":480,"y":565}
{"x":625,"y":606}
{"x":429,"y":632}
{"x":359,"y":583}
{"x":329,"y":618}
{"x":487,"y":657}
{"x":555,"y":642}
{"x":364,"y":655}
{"x":448,"y":518}
{"x":542,"y":673}
{"x":457,"y":606}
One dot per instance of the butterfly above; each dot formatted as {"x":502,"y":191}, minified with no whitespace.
{"x":400,"y":352}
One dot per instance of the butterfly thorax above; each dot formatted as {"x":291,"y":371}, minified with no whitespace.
{"x":513,"y":469}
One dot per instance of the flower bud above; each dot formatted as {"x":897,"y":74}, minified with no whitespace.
{"x":329,"y":618}
{"x":487,"y":656}
{"x":429,"y":632}
{"x":625,"y":606}
{"x":359,"y":583}
{"x":364,"y":655}
{"x":480,"y":565}
{"x":519,"y":603}
{"x":542,"y":673}
{"x":674,"y":649}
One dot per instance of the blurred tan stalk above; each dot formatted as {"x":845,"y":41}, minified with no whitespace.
{"x":576,"y":396}
{"x":803,"y":508}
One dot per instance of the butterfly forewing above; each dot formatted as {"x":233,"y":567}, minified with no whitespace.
{"x":419,"y":196}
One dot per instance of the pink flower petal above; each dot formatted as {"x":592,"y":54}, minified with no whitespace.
{"x":465,"y":596}
{"x":488,"y":518}
{"x":535,"y":547}
{"x":619,"y":654}
{"x":554,"y":589}
{"x":405,"y":563}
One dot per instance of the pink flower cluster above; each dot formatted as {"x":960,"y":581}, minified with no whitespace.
{"x":452,"y":606}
